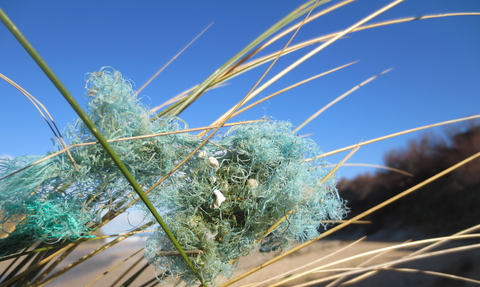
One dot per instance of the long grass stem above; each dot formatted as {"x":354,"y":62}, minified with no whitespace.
{"x":338,"y":99}
{"x":394,"y":135}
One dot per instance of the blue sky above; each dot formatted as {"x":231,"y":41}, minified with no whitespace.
{"x":436,"y":63}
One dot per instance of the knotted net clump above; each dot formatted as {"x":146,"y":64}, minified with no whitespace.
{"x":261,"y":172}
{"x":221,"y":201}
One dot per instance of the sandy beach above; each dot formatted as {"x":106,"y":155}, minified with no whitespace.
{"x":465,"y":264}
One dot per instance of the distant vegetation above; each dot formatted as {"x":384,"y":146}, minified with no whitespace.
{"x":443,"y":207}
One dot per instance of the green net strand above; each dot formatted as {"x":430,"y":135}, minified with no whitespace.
{"x":221,"y":201}
{"x":31,"y":200}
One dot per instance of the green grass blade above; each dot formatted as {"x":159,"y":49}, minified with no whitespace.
{"x":114,"y":267}
{"x":153,"y":280}
{"x":134,"y":276}
{"x":20,"y":265}
{"x":125,"y":272}
{"x":10,"y":265}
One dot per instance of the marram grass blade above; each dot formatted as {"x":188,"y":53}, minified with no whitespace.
{"x":434,"y":273}
{"x":20,"y":266}
{"x":132,"y":278}
{"x":114,"y":267}
{"x":312,"y":117}
{"x":291,"y":87}
{"x":150,"y":283}
{"x":376,"y":166}
{"x":395,"y":135}
{"x":337,"y":166}
{"x":171,"y":60}
{"x":48,"y":118}
{"x":183,"y":95}
{"x":126,"y":271}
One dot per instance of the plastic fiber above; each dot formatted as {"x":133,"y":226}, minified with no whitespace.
{"x":221,"y":201}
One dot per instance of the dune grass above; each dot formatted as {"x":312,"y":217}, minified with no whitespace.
{"x":34,"y":265}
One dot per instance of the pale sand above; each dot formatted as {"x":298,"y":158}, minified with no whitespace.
{"x":465,"y":264}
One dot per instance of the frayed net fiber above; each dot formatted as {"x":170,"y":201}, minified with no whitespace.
{"x":221,"y":201}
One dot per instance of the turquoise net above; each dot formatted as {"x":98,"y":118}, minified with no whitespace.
{"x":221,"y":201}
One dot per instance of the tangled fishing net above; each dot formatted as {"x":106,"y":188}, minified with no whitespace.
{"x":220,"y":202}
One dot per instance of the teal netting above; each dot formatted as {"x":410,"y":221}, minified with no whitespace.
{"x":221,"y":201}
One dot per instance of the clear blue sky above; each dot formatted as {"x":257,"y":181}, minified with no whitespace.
{"x":436,"y":63}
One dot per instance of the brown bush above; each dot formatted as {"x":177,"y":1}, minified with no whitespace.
{"x":443,"y":206}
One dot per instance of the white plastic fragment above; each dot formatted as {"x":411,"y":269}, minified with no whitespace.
{"x":209,"y":237}
{"x":252,"y":182}
{"x":213,"y":161}
{"x":219,"y":200}
{"x":307,"y":191}
{"x":225,"y":186}
{"x":202,"y":154}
